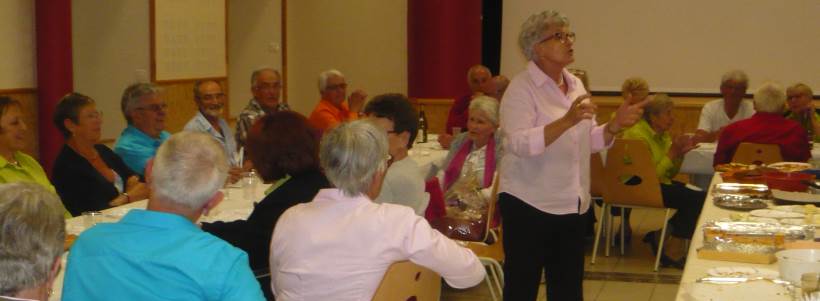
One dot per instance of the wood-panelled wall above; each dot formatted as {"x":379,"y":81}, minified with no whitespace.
{"x":28,"y":99}
{"x":179,"y":95}
{"x":686,"y":111}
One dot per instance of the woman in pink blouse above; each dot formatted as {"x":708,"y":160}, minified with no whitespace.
{"x":547,"y":119}
{"x":338,"y":246}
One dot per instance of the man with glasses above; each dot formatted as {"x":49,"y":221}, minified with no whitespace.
{"x":210,"y":100}
{"x":266,"y":87}
{"x":719,"y":113}
{"x":145,"y":113}
{"x":332,"y":108}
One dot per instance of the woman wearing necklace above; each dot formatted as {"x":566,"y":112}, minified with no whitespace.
{"x":16,"y":166}
{"x":89,"y":176}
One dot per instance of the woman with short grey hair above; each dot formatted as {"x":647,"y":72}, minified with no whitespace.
{"x":32,"y":233}
{"x":339,"y":246}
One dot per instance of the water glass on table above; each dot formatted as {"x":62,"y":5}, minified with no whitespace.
{"x":91,"y":218}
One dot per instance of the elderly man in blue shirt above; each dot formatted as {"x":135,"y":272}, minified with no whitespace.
{"x":210,"y":100}
{"x":145,"y":113}
{"x":160,"y":253}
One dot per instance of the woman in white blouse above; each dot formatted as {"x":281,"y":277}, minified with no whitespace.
{"x":338,"y":246}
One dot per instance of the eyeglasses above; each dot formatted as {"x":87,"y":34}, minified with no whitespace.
{"x":794,"y":96}
{"x":212,"y":96}
{"x":267,"y":86}
{"x":562,"y":37}
{"x":157,"y":108}
{"x":336,"y":87}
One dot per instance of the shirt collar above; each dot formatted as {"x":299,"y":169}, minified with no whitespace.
{"x":142,"y":135}
{"x":335,"y":194}
{"x":767,"y":116}
{"x":539,"y":78}
{"x":4,"y":163}
{"x":205,"y":124}
{"x":157,"y":219}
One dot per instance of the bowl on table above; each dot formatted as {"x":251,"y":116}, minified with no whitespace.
{"x":796,"y":262}
{"x":788,"y":181}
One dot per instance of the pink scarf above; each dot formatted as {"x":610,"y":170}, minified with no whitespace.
{"x":453,"y":170}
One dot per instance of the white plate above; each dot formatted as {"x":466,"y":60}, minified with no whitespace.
{"x":800,"y":197}
{"x":775,"y":214}
{"x":738,"y":271}
{"x":790,"y":166}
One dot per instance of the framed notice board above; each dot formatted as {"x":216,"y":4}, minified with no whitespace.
{"x":188,"y":39}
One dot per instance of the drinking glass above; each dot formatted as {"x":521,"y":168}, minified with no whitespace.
{"x":91,"y":218}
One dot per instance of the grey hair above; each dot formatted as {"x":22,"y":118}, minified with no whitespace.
{"x":132,"y":95}
{"x":201,"y":82}
{"x":487,"y":105}
{"x":532,"y":31}
{"x":324,"y":75}
{"x":736,"y":76}
{"x":474,"y":69}
{"x":188,"y":169}
{"x":800,"y":88}
{"x":256,"y":73}
{"x":32,"y":232}
{"x":770,"y":98}
{"x":658,"y":104}
{"x":351,"y":154}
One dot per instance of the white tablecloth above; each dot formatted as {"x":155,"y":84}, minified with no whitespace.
{"x":697,"y":268}
{"x":699,"y":160}
{"x":430,"y":156}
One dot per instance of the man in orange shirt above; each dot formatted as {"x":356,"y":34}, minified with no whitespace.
{"x":332,"y":108}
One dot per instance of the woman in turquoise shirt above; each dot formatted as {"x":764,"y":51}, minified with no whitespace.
{"x":16,"y":166}
{"x":667,"y":155}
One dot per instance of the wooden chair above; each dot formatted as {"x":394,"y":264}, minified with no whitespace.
{"x":755,"y":153}
{"x":630,"y":158}
{"x":491,"y":255}
{"x":405,"y":280}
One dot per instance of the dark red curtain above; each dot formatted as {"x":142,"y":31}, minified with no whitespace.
{"x":443,"y":41}
{"x":54,"y":73}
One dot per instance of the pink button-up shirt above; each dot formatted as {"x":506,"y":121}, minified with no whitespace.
{"x":338,"y":248}
{"x":551,"y":178}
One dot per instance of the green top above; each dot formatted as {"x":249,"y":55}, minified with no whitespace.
{"x":28,"y":170}
{"x":805,"y":123}
{"x":659,"y":145}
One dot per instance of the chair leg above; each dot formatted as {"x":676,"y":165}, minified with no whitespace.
{"x":609,"y":241}
{"x":623,"y":226}
{"x":598,"y":233}
{"x":490,"y":285}
{"x":663,"y":238}
{"x":497,"y":282}
{"x":500,"y":272}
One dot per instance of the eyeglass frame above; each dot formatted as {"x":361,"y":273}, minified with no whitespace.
{"x":562,"y":37}
{"x":156,"y":108}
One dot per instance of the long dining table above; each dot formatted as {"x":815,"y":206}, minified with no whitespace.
{"x":237,"y":203}
{"x":697,"y":268}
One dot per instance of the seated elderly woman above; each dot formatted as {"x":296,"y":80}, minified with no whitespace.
{"x":339,"y":246}
{"x":767,"y":126}
{"x":32,"y":233}
{"x":801,"y":109}
{"x":88,"y":175}
{"x":667,"y":155}
{"x":476,"y":151}
{"x":16,"y":166}
{"x":285,"y":152}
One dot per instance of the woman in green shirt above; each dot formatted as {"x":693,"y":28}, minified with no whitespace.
{"x":16,"y":166}
{"x":667,"y":155}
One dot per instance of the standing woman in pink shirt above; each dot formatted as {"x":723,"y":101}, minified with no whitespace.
{"x":547,"y":119}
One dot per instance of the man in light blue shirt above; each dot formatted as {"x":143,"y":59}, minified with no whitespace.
{"x":145,"y":113}
{"x":160,"y":253}
{"x":210,"y":100}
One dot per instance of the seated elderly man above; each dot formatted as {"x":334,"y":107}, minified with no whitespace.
{"x":32,"y":232}
{"x":332,"y":108}
{"x":160,"y":253}
{"x":719,"y":113}
{"x":767,"y":126}
{"x":210,"y":100}
{"x":145,"y":113}
{"x":801,"y":109}
{"x":404,"y":180}
{"x":338,"y":246}
{"x":266,"y":87}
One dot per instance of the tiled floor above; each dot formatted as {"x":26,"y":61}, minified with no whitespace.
{"x":627,"y":277}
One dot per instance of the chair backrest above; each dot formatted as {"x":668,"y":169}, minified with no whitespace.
{"x":405,"y":280}
{"x":756,"y":153}
{"x":631,"y":158}
{"x":596,"y":175}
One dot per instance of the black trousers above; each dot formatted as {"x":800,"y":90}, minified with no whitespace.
{"x":688,"y":203}
{"x":536,"y":242}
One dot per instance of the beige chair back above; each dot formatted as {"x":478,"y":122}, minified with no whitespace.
{"x":596,"y":175}
{"x":627,"y":158}
{"x":755,"y":153}
{"x":405,"y":280}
